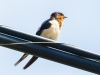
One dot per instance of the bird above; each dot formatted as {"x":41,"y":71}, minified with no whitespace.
{"x":50,"y":29}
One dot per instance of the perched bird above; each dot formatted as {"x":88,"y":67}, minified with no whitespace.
{"x":49,"y":29}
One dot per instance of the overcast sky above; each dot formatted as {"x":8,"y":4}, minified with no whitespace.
{"x":81,"y":28}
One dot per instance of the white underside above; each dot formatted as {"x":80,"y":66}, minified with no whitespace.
{"x":52,"y":32}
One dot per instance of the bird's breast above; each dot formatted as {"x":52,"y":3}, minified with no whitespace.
{"x":52,"y":32}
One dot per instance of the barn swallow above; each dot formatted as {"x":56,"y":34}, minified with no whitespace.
{"x":49,"y":29}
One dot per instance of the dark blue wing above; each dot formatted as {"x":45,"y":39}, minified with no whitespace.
{"x":45,"y":25}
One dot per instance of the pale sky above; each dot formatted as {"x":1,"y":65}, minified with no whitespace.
{"x":81,"y":28}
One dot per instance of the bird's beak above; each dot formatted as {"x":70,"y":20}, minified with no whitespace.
{"x":65,"y":17}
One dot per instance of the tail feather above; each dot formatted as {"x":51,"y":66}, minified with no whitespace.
{"x":22,"y":58}
{"x":32,"y":60}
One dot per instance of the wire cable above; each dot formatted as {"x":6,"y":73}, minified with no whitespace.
{"x":29,"y":43}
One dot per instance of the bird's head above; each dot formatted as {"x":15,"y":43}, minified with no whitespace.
{"x":59,"y":17}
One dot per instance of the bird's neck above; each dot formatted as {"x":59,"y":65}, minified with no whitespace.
{"x":59,"y":21}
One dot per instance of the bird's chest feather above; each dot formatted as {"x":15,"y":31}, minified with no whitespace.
{"x":52,"y":32}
